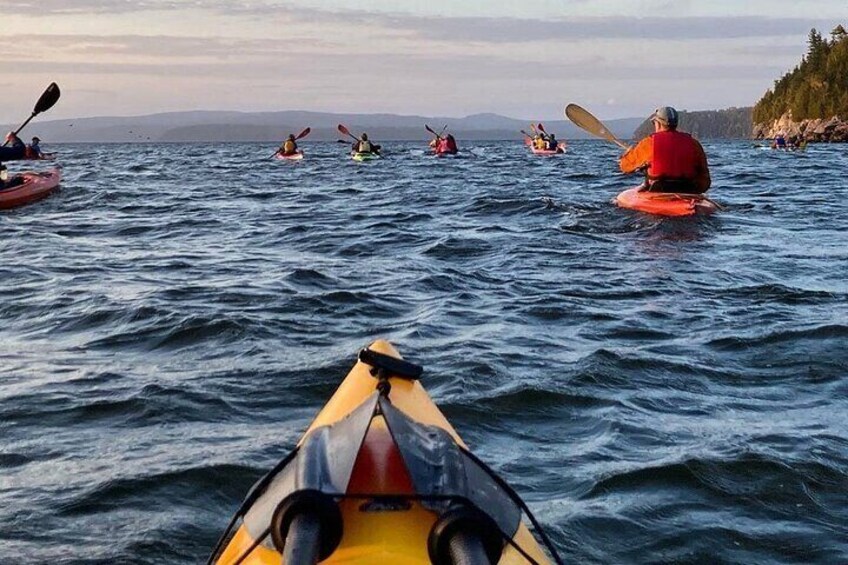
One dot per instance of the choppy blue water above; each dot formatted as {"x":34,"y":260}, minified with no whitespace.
{"x":658,"y":390}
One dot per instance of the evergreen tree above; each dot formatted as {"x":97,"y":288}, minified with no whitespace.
{"x":815,"y":88}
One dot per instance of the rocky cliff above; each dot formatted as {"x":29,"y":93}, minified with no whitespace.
{"x":823,"y":130}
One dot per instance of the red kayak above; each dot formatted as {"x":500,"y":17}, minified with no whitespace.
{"x":35,"y":187}
{"x":665,"y":203}
{"x":558,"y":151}
{"x":296,"y":156}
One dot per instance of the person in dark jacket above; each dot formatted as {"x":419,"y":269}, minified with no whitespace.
{"x":15,"y":151}
{"x":15,"y":148}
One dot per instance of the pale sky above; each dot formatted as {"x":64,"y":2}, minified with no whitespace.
{"x":432,"y":57}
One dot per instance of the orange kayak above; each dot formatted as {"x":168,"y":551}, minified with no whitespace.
{"x":381,"y":476}
{"x":35,"y":187}
{"x":665,"y":203}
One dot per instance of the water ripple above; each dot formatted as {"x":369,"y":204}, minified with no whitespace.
{"x":659,"y":390}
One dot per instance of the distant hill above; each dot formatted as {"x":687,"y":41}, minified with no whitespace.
{"x":732,"y":123}
{"x":273,"y":126}
{"x":816,"y":88}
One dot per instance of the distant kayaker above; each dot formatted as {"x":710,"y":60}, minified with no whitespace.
{"x":673,"y":161}
{"x":445,"y":145}
{"x":363,"y":145}
{"x":539,"y":142}
{"x":289,"y":146}
{"x":779,"y":142}
{"x":450,"y":144}
{"x":553,"y":144}
{"x":33,"y":150}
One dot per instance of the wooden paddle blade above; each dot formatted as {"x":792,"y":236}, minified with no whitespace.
{"x":346,"y":131}
{"x":48,"y":98}
{"x":582,"y":118}
{"x":304,"y":133}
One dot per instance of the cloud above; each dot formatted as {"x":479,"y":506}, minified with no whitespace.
{"x":30,"y":8}
{"x":510,"y":30}
{"x":178,"y":56}
{"x":216,"y":53}
{"x":459,"y":29}
{"x":166,"y":47}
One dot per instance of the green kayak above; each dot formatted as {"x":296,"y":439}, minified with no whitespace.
{"x":364,"y":156}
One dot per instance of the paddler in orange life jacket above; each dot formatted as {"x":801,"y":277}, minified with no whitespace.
{"x":674,"y":161}
{"x":289,"y":146}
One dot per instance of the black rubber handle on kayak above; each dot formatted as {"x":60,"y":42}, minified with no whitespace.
{"x":392,"y":365}
{"x":306,"y":527}
{"x":466,"y":548}
{"x":303,"y":541}
{"x":464,"y":536}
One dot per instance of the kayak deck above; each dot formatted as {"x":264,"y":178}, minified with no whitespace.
{"x":385,"y":518}
{"x":665,"y":203}
{"x":34,"y":187}
{"x":560,"y":150}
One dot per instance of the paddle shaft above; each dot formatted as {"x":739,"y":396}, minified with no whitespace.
{"x":23,"y":125}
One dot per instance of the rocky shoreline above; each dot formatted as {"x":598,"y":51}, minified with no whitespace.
{"x":822,"y":130}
